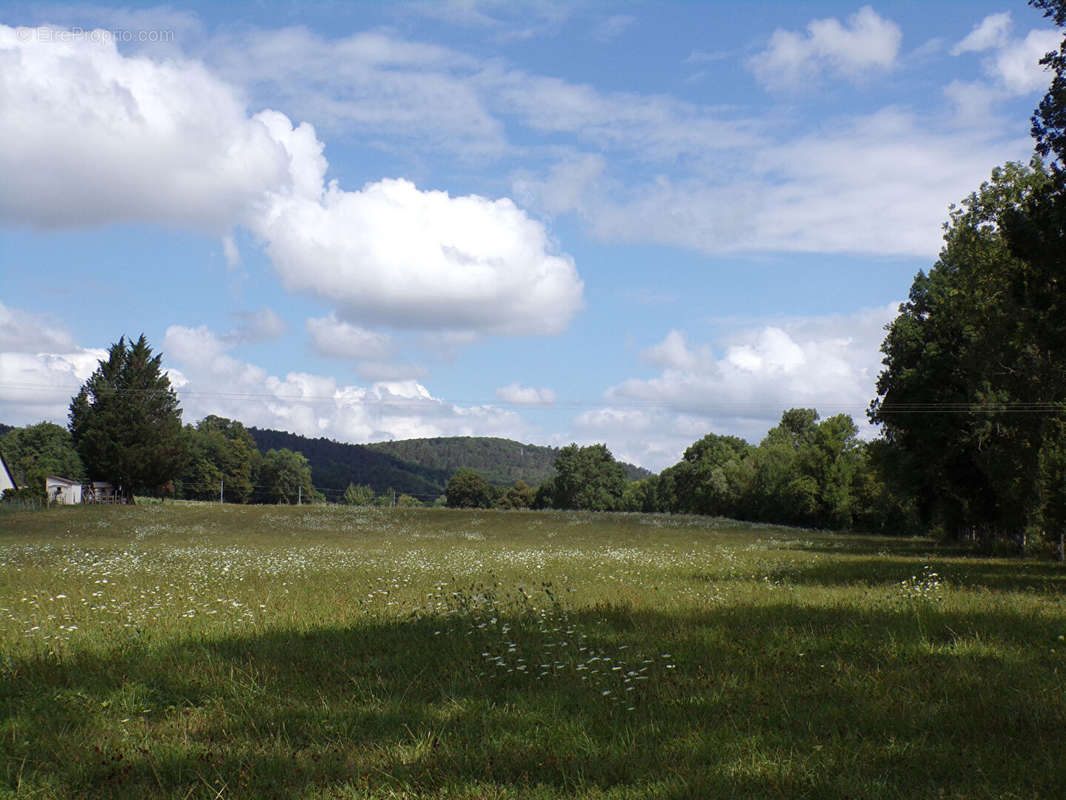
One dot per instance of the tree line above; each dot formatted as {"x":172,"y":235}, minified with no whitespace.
{"x":125,"y":429}
{"x":972,"y":400}
{"x":804,"y":472}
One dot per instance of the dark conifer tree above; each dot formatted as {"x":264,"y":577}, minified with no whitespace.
{"x":126,"y":421}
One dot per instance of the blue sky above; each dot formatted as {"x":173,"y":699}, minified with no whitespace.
{"x":633,"y":223}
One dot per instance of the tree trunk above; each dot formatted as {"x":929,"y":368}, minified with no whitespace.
{"x":1062,"y":553}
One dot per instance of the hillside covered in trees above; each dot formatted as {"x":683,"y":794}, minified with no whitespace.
{"x":502,"y":462}
{"x":334,"y":465}
{"x":420,"y":468}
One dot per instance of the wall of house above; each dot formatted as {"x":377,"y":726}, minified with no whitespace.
{"x":62,"y":492}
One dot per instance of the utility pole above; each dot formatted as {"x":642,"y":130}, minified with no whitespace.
{"x":221,"y":490}
{"x":299,"y":495}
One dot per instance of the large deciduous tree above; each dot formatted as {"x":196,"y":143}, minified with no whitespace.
{"x":468,"y":489}
{"x":223,"y":459}
{"x":807,"y":472}
{"x":586,"y":478}
{"x":285,"y":477}
{"x":973,"y":378}
{"x":126,"y":421}
{"x":712,"y":478}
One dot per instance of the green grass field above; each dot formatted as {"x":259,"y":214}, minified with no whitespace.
{"x":203,"y":651}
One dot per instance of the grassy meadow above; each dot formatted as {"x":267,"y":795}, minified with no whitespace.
{"x":205,"y":651}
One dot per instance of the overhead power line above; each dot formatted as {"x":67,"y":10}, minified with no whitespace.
{"x":737,"y":407}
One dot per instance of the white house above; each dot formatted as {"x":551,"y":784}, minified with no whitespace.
{"x":62,"y":491}
{"x":6,"y":481}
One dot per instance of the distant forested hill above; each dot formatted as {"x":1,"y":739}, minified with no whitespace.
{"x":501,"y":461}
{"x":334,"y":465}
{"x":418,"y":467}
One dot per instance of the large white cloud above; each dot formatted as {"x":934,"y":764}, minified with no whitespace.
{"x":93,"y":136}
{"x":877,"y":183}
{"x":392,"y":253}
{"x":866,"y":43}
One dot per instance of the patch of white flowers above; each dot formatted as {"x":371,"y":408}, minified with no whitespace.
{"x":533,"y":636}
{"x":926,"y":586}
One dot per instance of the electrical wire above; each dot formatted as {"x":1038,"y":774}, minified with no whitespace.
{"x":1042,"y":407}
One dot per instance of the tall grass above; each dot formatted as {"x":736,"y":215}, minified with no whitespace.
{"x":239,"y":652}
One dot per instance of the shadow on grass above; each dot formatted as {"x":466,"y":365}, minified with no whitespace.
{"x":868,"y":545}
{"x":1032,"y":577}
{"x":748,"y":701}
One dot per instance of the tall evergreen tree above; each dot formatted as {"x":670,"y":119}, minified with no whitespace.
{"x":126,"y":421}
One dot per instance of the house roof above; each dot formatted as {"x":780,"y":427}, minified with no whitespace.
{"x":67,"y":481}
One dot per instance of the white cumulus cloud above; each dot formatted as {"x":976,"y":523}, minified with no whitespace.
{"x":867,"y":42}
{"x":990,"y":32}
{"x":338,"y":339}
{"x":1017,"y":64}
{"x":741,"y":385}
{"x":94,"y":137}
{"x":423,"y":259}
{"x":1012,"y":63}
{"x":519,"y":395}
{"x":39,"y":386}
